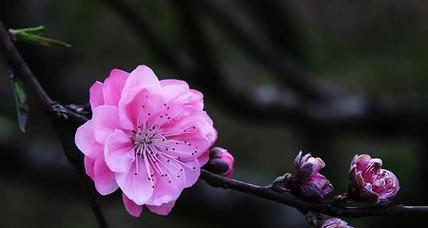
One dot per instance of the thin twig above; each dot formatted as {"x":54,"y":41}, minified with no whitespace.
{"x":60,"y":114}
{"x":324,"y":208}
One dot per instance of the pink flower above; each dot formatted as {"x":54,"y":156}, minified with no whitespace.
{"x":335,"y":223}
{"x":307,"y":182}
{"x":220,"y":162}
{"x":369,"y":182}
{"x":147,"y":137}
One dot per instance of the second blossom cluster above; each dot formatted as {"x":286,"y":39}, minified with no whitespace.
{"x":368,"y":181}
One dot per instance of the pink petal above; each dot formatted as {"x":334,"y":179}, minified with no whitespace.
{"x":137,"y":187}
{"x":105,"y":121}
{"x":163,"y":209}
{"x":170,"y":183}
{"x":140,"y":78}
{"x":298,"y":160}
{"x":118,"y":151}
{"x":175,"y":89}
{"x":113,"y":86}
{"x":156,"y":106}
{"x":132,"y":208}
{"x":146,"y":109}
{"x":197,"y":99}
{"x":89,"y":166}
{"x":192,"y":171}
{"x":173,"y":82}
{"x":179,"y":91}
{"x":104,"y":178}
{"x":85,"y":140}
{"x":203,"y":159}
{"x":130,"y":112}
{"x":96,"y":95}
{"x":361,"y":161}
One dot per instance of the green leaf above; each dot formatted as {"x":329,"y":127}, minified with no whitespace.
{"x":33,"y":35}
{"x":37,"y":31}
{"x":20,"y":100}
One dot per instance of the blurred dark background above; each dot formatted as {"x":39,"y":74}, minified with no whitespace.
{"x":332,"y":78}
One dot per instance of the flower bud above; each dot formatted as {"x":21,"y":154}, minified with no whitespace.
{"x":220,"y":162}
{"x":335,"y":223}
{"x":307,"y":182}
{"x":370,"y":183}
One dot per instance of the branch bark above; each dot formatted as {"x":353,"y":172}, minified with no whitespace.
{"x":60,"y":115}
{"x":329,"y":208}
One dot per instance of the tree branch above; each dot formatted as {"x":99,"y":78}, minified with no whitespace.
{"x":329,"y":208}
{"x":60,"y":114}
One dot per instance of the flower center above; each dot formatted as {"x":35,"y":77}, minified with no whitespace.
{"x":147,"y":142}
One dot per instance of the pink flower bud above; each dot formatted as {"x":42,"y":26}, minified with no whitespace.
{"x":307,"y":182}
{"x":335,"y":223}
{"x":370,"y":183}
{"x":220,"y":162}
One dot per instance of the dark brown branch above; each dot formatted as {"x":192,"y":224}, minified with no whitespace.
{"x":60,"y":114}
{"x":325,"y":208}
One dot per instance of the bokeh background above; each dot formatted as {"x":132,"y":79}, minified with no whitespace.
{"x":366,"y":48}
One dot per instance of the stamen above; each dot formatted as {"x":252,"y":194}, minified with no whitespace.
{"x":160,"y":154}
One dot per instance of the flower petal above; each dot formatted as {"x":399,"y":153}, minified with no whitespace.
{"x":170,"y":180}
{"x":163,"y":209}
{"x":104,"y":179}
{"x":118,"y":151}
{"x":131,"y":207}
{"x":113,"y":86}
{"x":89,"y":166}
{"x":192,"y":171}
{"x":172,"y":89}
{"x":86,"y":142}
{"x":96,"y":95}
{"x":145,"y":108}
{"x":105,"y":121}
{"x":136,"y":185}
{"x":141,"y":78}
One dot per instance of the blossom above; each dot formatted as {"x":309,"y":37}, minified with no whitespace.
{"x":220,"y":162}
{"x":371,"y":183}
{"x":148,"y":137}
{"x":335,"y":223}
{"x":307,"y":182}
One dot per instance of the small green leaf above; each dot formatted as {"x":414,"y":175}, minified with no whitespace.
{"x":20,"y":100}
{"x":33,"y":35}
{"x":38,"y":31}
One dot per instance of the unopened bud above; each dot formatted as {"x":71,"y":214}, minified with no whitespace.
{"x":220,"y":162}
